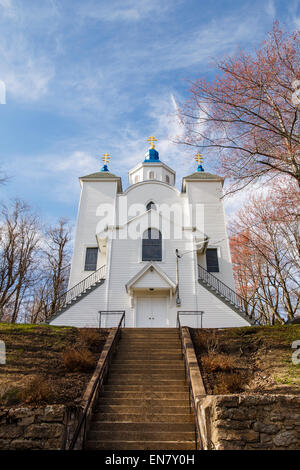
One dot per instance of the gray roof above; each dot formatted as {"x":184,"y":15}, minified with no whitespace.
{"x":201,"y":176}
{"x":103,"y":175}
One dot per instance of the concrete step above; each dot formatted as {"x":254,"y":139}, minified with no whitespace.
{"x":150,"y":403}
{"x":140,"y":380}
{"x":150,"y":368}
{"x":133,"y":418}
{"x":151,"y":335}
{"x":141,"y":445}
{"x":140,"y":435}
{"x":135,"y":330}
{"x":148,"y":356}
{"x":152,"y":345}
{"x":154,"y":354}
{"x":147,"y":387}
{"x":146,"y":395}
{"x":145,"y":410}
{"x":151,"y":340}
{"x":135,"y":362}
{"x":172,"y":373}
{"x":143,"y":427}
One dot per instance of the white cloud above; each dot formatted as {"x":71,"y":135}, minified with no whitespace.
{"x":271,"y":8}
{"x":28,"y":80}
{"x":26,"y":69}
{"x":121,"y":10}
{"x":7,"y":8}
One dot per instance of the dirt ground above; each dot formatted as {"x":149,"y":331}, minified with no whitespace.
{"x":36,"y":370}
{"x":248,"y":360}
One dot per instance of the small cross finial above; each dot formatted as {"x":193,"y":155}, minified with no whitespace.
{"x":152,"y":139}
{"x":199,"y":159}
{"x":105,"y":160}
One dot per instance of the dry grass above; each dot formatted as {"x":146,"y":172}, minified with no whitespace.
{"x":256,"y":359}
{"x":35,"y":366}
{"x":78,"y":360}
{"x":39,"y":390}
{"x":218,"y":362}
{"x":91,"y":339}
{"x":233,"y":382}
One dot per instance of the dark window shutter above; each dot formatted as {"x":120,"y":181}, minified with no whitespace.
{"x":152,"y":246}
{"x":91,"y":256}
{"x":212,"y":262}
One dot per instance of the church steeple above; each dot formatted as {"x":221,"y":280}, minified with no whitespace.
{"x":152,"y":155}
{"x":152,"y":169}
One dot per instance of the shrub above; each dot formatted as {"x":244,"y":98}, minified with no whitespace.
{"x":217,"y":362}
{"x":207,"y":342}
{"x":37,"y":390}
{"x":229,"y":383}
{"x":11,"y":397}
{"x":91,"y":339}
{"x":78,"y":360}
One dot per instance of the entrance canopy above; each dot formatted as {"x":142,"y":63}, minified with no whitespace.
{"x":150,"y":277}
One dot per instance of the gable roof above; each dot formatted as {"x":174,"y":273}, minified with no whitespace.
{"x":103,"y":176}
{"x":150,"y":267}
{"x":201,"y":176}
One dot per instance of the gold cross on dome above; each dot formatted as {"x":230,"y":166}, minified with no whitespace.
{"x":152,"y":139}
{"x":199,"y":158}
{"x":106,"y":158}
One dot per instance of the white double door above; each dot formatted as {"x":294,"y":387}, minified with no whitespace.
{"x":151,"y":312}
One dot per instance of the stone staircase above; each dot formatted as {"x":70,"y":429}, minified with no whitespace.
{"x":145,"y":402}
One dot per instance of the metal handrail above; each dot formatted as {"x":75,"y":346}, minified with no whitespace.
{"x":224,"y":290}
{"x":189,"y":312}
{"x":87,"y":282}
{"x":110,"y":312}
{"x":191,"y":394}
{"x":79,"y":288}
{"x":96,"y":387}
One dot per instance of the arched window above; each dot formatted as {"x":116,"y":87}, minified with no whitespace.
{"x":150,"y":205}
{"x":168,"y":179}
{"x":136,"y":179}
{"x":151,"y":175}
{"x":152,"y":245}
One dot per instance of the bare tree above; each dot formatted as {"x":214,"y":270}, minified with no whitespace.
{"x":48,"y":295}
{"x":19,"y":238}
{"x":248,"y":117}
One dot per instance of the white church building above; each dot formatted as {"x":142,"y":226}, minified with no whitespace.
{"x":152,"y":251}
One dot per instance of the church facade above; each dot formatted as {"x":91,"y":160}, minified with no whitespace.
{"x":151,"y":251}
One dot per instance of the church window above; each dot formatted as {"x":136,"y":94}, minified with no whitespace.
{"x":136,"y":179}
{"x":152,"y":245}
{"x":91,"y":256}
{"x":168,"y":179}
{"x":212,"y":262}
{"x":150,"y":205}
{"x":151,"y":175}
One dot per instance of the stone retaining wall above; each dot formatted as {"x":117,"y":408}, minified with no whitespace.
{"x":28,"y":427}
{"x":262,"y":422}
{"x":239,"y":421}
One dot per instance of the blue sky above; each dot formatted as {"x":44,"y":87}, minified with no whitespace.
{"x":88,"y":77}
